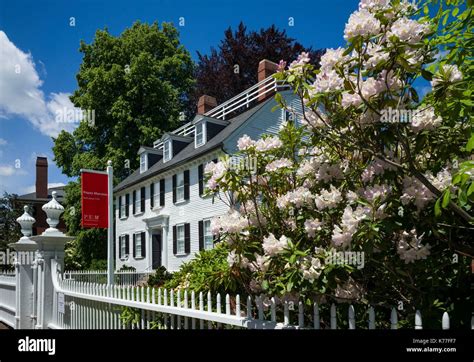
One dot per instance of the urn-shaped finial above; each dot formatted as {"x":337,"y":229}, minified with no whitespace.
{"x":53,"y":210}
{"x":26,"y":222}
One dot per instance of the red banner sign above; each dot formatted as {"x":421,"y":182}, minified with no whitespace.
{"x":95,"y":200}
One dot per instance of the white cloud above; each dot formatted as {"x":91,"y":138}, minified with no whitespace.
{"x":30,"y":189}
{"x":9,"y":170}
{"x":3,"y":142}
{"x":21,"y":94}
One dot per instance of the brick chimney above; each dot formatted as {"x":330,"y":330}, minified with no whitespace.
{"x":206,"y":103}
{"x":42,"y":177}
{"x":265,"y":69}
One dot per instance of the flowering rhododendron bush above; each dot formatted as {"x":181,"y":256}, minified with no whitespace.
{"x":364,"y":169}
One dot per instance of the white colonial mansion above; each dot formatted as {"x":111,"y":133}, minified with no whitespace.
{"x":162,"y":215}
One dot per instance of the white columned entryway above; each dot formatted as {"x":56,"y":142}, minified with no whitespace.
{"x":159,"y":222}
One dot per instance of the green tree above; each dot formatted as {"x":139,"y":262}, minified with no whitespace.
{"x":9,"y":228}
{"x":232,"y":67}
{"x":132,"y":88}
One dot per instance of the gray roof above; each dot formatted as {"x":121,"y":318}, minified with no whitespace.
{"x":190,"y":152}
{"x":32,"y":196}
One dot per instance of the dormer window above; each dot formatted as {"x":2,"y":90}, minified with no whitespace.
{"x":200,"y":138}
{"x":167,"y":152}
{"x":143,"y":162}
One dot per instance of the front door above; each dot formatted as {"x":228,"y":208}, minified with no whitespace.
{"x":156,"y":250}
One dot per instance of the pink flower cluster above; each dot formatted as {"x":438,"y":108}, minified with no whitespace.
{"x":217,"y":170}
{"x":311,"y":268}
{"x":232,"y":222}
{"x":297,"y":65}
{"x":409,"y":247}
{"x":361,"y":23}
{"x":376,"y":167}
{"x":380,"y":192}
{"x":414,"y":191}
{"x":311,"y":226}
{"x":268,"y":144}
{"x":425,"y":119}
{"x":408,"y":30}
{"x":273,"y":246}
{"x":449,"y":73}
{"x":342,"y":235}
{"x":328,"y":198}
{"x":277,"y":164}
{"x":297,"y":197}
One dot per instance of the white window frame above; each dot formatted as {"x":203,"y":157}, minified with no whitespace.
{"x":122,"y":241}
{"x":180,"y":243}
{"x":156,"y":195}
{"x":202,"y":133}
{"x":179,"y":188}
{"x":138,"y":237}
{"x":207,"y":236}
{"x":138,"y":201}
{"x":143,"y":162}
{"x":123,"y":206}
{"x":167,"y":150}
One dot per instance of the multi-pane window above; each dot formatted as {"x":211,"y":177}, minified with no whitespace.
{"x":156,"y":194}
{"x":167,"y":151}
{"x":138,"y":201}
{"x":180,"y":187}
{"x":180,"y":239}
{"x":138,"y":245}
{"x":122,"y":206}
{"x":123,"y":246}
{"x":143,"y":162}
{"x":208,"y":237}
{"x":199,"y":130}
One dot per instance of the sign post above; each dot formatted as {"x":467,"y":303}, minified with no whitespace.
{"x":110,"y":230}
{"x":98,"y":208}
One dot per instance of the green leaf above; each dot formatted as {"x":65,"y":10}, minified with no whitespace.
{"x":437,"y":208}
{"x":470,"y":190}
{"x":446,"y":198}
{"x":470,"y":143}
{"x":426,"y":74}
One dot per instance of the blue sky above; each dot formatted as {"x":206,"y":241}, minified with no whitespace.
{"x":40,"y":58}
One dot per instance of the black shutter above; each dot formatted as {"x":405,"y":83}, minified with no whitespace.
{"x":162,"y":192}
{"x":127,"y":204}
{"x":120,"y":206}
{"x":143,"y":245}
{"x":134,"y":243}
{"x":201,"y":179}
{"x":174,"y":188}
{"x":120,"y":247}
{"x":201,"y":235}
{"x":152,"y":192}
{"x":175,"y":242}
{"x":142,"y":199}
{"x":187,"y":238}
{"x":186,"y":185}
{"x":134,"y":199}
{"x":127,"y":245}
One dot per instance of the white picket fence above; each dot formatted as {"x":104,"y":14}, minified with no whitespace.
{"x":8,"y":298}
{"x":98,"y":306}
{"x":122,"y":277}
